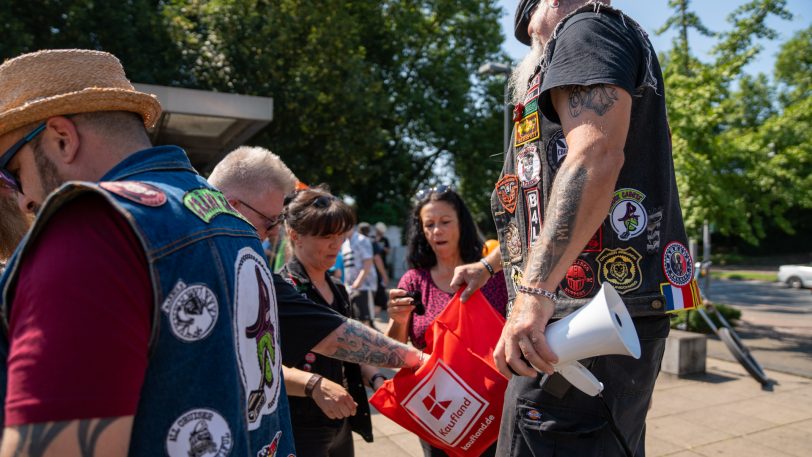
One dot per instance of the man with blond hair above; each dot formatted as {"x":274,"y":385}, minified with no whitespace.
{"x":139,"y":314}
{"x":255,"y":181}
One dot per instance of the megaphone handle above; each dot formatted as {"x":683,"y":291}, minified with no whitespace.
{"x":581,"y":378}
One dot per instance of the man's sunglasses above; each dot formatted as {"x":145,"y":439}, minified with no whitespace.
{"x":8,"y":178}
{"x":270,"y":222}
{"x":425,"y":192}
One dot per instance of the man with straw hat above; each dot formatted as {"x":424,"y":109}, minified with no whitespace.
{"x":139,"y":315}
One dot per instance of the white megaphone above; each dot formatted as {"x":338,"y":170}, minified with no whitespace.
{"x":602,"y":327}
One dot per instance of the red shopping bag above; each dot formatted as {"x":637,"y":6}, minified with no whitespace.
{"x":454,"y":401}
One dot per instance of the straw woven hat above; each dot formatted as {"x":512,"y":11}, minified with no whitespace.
{"x":36,"y":86}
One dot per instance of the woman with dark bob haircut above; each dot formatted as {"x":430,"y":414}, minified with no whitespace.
{"x":323,"y":412}
{"x":441,"y":236}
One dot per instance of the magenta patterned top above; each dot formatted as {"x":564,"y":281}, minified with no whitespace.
{"x":435,"y":299}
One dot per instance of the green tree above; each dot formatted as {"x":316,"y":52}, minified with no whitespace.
{"x":729,"y":165}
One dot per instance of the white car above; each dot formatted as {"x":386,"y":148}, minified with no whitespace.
{"x":796,"y":276}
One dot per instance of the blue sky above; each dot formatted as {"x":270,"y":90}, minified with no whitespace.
{"x":651,"y":14}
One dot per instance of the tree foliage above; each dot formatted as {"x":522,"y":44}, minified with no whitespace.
{"x":742,"y":159}
{"x":377,"y":99}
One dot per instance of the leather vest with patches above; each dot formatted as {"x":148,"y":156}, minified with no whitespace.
{"x":641,"y":246}
{"x":213,"y":384}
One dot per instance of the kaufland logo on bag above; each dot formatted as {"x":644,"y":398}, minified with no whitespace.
{"x":445,"y":405}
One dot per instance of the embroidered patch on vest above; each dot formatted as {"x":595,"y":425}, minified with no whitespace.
{"x":653,"y":232}
{"x":136,"y":191}
{"x":678,"y":298}
{"x":532,"y":94}
{"x":531,"y":107}
{"x":192,"y":311}
{"x":533,"y":414}
{"x":595,"y":244}
{"x":208,"y":204}
{"x":579,"y":280}
{"x":536,"y":81}
{"x":507,"y":189}
{"x":621,"y":268}
{"x":677,"y":264}
{"x":199,"y":432}
{"x":516,"y":276}
{"x":257,"y":335}
{"x":528,"y":166}
{"x":532,"y":202}
{"x":627,"y":215}
{"x":527,"y":129}
{"x":556,"y":150}
{"x":270,"y":449}
{"x":513,"y":242}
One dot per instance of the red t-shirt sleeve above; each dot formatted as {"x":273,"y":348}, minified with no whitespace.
{"x":80,"y":319}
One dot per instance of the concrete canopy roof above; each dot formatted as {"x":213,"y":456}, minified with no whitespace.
{"x":206,"y":124}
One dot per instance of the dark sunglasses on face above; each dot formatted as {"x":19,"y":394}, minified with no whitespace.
{"x":7,"y":177}
{"x":270,"y":222}
{"x":427,"y":191}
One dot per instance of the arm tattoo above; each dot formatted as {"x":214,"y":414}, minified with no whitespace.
{"x":599,"y":98}
{"x":35,"y":438}
{"x":360,"y":344}
{"x":89,"y":431}
{"x":555,"y":237}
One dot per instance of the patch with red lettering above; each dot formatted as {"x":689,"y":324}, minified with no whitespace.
{"x":532,"y":201}
{"x":528,"y":166}
{"x":527,"y":130}
{"x":507,"y":189}
{"x":536,"y":81}
{"x":677,"y":264}
{"x":579,"y":280}
{"x":136,"y":191}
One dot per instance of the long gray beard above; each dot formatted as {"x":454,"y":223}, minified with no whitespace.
{"x":522,"y":73}
{"x":13,"y":225}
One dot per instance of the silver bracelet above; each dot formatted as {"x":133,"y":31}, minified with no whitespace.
{"x":536,"y":291}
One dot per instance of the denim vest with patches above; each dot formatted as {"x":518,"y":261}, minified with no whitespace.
{"x":641,"y":246}
{"x":213,"y":385}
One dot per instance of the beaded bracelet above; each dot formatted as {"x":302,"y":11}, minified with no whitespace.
{"x":488,"y":266}
{"x":536,"y":291}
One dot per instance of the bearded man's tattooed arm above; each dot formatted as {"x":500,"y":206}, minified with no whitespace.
{"x":595,"y":120}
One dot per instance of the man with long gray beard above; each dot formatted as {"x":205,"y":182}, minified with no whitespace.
{"x":591,"y":139}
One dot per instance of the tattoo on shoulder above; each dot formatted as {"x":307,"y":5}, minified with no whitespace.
{"x":360,"y":344}
{"x":599,"y":98}
{"x":556,"y":235}
{"x":89,"y":432}
{"x":36,"y":438}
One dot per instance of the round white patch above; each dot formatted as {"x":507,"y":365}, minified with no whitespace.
{"x":199,"y":433}
{"x":629,"y":219}
{"x":192,"y":311}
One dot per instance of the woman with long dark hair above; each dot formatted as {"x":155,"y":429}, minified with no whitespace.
{"x":441,"y":236}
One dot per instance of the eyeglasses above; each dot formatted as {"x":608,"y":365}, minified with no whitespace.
{"x":427,"y":191}
{"x":270,"y":222}
{"x":8,"y":178}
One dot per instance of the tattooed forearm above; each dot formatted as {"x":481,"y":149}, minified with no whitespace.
{"x":36,"y":438}
{"x":361,"y":344}
{"x":599,"y":98}
{"x":566,"y":195}
{"x":89,"y":431}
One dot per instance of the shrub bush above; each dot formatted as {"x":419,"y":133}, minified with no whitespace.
{"x":695,"y":323}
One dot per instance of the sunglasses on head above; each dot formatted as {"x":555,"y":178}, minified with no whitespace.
{"x":425,"y":192}
{"x":6,"y":177}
